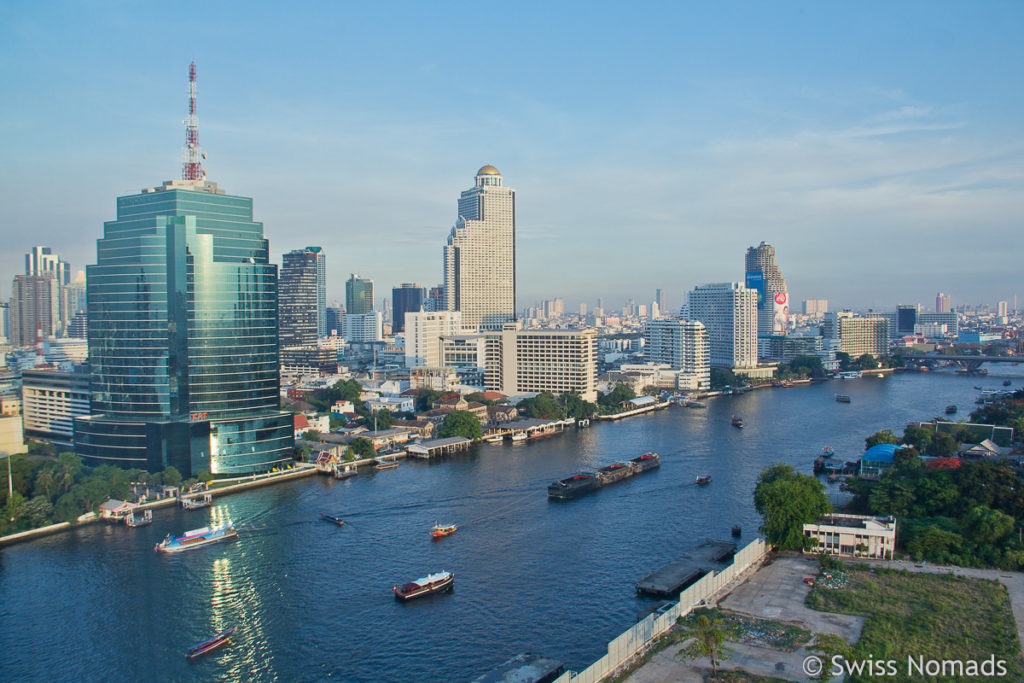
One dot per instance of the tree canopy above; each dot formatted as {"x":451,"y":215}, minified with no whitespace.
{"x":786,"y":500}
{"x":461,"y":423}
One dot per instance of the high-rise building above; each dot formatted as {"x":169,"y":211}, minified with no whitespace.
{"x":943,"y":303}
{"x":407,"y":298}
{"x":659,"y":298}
{"x":906,"y":318}
{"x":321,"y":290}
{"x":559,"y":361}
{"x":423,"y":333}
{"x":298,"y":297}
{"x":182,"y":331}
{"x":35,"y":308}
{"x":334,"y":314}
{"x":815,"y":307}
{"x":480,"y":256}
{"x":682,"y":345}
{"x":362,"y":328}
{"x":729,"y":313}
{"x":858,"y":335}
{"x":358,"y":295}
{"x":583,"y":308}
{"x":773,"y":298}
{"x":42,"y":260}
{"x":1002,"y":308}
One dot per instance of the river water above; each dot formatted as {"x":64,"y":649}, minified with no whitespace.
{"x":313,"y":600}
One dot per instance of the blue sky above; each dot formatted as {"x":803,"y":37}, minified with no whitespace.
{"x":878,"y":146}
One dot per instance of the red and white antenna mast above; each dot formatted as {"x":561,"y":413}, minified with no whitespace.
{"x":192,"y":166}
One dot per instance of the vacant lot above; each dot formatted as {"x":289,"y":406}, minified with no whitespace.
{"x":935,"y":616}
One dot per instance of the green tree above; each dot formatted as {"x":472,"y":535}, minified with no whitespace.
{"x":171,"y":476}
{"x":810,"y":366}
{"x":934,"y":544}
{"x":987,"y":526}
{"x":46,"y":480}
{"x":66,"y":509}
{"x":15,"y":506}
{"x":786,"y":500}
{"x":37,"y":511}
{"x":460,"y":423}
{"x":881,"y":436}
{"x":721,"y":377}
{"x":542,"y":406}
{"x":918,"y":437}
{"x":867,"y":362}
{"x":310,"y":435}
{"x":576,"y":407}
{"x":891,"y":496}
{"x":616,"y":397}
{"x":708,"y":641}
{"x":385,"y":420}
{"x":362,"y":448}
{"x":69,"y":466}
{"x":204,"y":475}
{"x":425,"y":399}
{"x":942,"y":445}
{"x":844,"y":360}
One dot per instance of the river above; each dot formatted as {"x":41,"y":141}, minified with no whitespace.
{"x":313,"y":600}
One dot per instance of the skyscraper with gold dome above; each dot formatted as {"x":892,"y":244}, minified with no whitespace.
{"x":480,"y":256}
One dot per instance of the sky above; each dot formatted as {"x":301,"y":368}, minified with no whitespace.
{"x":878,"y":146}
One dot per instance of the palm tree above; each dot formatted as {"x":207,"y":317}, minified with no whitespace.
{"x":709,"y":639}
{"x":46,"y":480}
{"x":68,"y":467}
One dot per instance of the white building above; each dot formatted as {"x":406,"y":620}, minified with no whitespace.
{"x":480,"y":257}
{"x":854,"y":535}
{"x":50,"y":402}
{"x":728,"y":311}
{"x":522,"y":361}
{"x":359,"y":328}
{"x":423,"y":333}
{"x":858,"y":336}
{"x":764,"y":275}
{"x":683,"y":346}
{"x":393,"y":404}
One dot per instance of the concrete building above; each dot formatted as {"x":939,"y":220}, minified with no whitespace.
{"x":943,"y":303}
{"x":35,"y":308}
{"x":764,"y":276}
{"x":362,"y":328}
{"x":522,"y":361}
{"x":683,"y":346}
{"x":480,"y":256}
{"x":183,"y":337}
{"x":858,"y":335}
{"x":1002,"y":309}
{"x":950,"y":319}
{"x":407,"y":298}
{"x":51,"y":400}
{"x":358,"y":295}
{"x":815,"y":307}
{"x":854,"y":536}
{"x":301,"y":310}
{"x":783,"y":348}
{"x":423,"y":333}
{"x":906,"y":318}
{"x":12,"y":440}
{"x":334,"y":315}
{"x":728,"y":311}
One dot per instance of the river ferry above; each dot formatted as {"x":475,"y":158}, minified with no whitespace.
{"x":196,"y":538}
{"x":433,"y":583}
{"x":200,"y":649}
{"x":442,"y":530}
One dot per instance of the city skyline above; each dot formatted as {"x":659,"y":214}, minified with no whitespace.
{"x":670,"y":142}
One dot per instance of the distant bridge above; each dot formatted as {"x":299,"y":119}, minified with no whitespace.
{"x":970,"y":362}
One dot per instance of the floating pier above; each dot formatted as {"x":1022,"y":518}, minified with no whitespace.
{"x":675,"y":576}
{"x":524,"y":668}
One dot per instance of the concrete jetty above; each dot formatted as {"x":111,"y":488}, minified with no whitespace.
{"x":711,"y":555}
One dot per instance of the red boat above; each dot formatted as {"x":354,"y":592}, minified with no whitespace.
{"x":442,"y":530}
{"x":433,"y":583}
{"x":200,"y":649}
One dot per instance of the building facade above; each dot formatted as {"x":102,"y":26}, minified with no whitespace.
{"x":728,"y":311}
{"x":362,"y":328}
{"x":51,"y":400}
{"x":943,"y":303}
{"x":424,"y":331}
{"x":521,"y":361}
{"x":358,"y":295}
{"x":815,"y":307}
{"x":480,"y":256}
{"x":858,"y":335}
{"x":763,"y":275}
{"x":853,"y":536}
{"x":183,"y":337}
{"x":34,"y":309}
{"x":298,"y":298}
{"x":681,"y":345}
{"x":409,"y":297}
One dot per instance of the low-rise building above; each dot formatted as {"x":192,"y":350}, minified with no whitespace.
{"x":853,"y":535}
{"x":51,"y":400}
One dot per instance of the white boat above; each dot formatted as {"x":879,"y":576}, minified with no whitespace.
{"x":196,"y":501}
{"x":196,"y":538}
{"x":497,"y":438}
{"x":519,"y":437}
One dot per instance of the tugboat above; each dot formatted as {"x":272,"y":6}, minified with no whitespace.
{"x":333,"y":519}
{"x":704,"y":480}
{"x":442,"y":530}
{"x":196,"y":538}
{"x":573,"y":486}
{"x":737,"y":421}
{"x":432,"y":583}
{"x":200,"y":649}
{"x":647,"y":461}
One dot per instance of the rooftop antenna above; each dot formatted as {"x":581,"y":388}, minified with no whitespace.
{"x":192,"y":166}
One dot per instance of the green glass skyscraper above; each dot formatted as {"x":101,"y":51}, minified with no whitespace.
{"x":183,"y":337}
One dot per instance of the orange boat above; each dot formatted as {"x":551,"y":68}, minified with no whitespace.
{"x":442,"y":530}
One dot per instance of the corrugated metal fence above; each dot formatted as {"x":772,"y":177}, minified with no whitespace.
{"x":643,"y":634}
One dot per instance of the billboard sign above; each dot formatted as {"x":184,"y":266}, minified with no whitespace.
{"x":756,"y":281}
{"x":781,"y":312}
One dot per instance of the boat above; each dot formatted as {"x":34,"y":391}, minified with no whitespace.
{"x":573,"y":486}
{"x":442,"y":530}
{"x":950,"y":409}
{"x":345,"y":472}
{"x":519,"y":437}
{"x":1007,"y":382}
{"x":497,"y":438}
{"x":196,"y":538}
{"x":610,"y":474}
{"x":385,"y":464}
{"x":195,"y":502}
{"x":432,"y":583}
{"x":736,"y":530}
{"x":849,"y":374}
{"x":842,"y":398}
{"x":139,"y":518}
{"x":647,"y":461}
{"x":695,"y":404}
{"x":200,"y":649}
{"x":333,"y":519}
{"x":827,"y":452}
{"x":977,"y":388}
{"x":704,"y":480}
{"x":737,"y":421}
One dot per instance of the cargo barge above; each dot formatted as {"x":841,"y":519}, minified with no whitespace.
{"x":585,"y":482}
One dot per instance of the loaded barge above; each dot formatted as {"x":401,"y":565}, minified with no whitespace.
{"x":585,"y":482}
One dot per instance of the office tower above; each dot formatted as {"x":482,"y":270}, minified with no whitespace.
{"x":435,"y":299}
{"x":407,"y":298}
{"x":519,"y":361}
{"x":773,"y":301}
{"x":1002,"y":309}
{"x":51,"y":399}
{"x":659,"y":298}
{"x":423,"y":333}
{"x":943,"y":304}
{"x":950,"y":319}
{"x":41,"y":260}
{"x":358,"y":295}
{"x":5,"y":327}
{"x":680,"y":344}
{"x":583,"y":308}
{"x":182,"y":330}
{"x":35,"y":308}
{"x":321,"y":290}
{"x":480,"y":256}
{"x":729,"y":313}
{"x":298,"y":297}
{"x":815,"y":307}
{"x":641,"y":310}
{"x":333,"y":315}
{"x":362,"y":328}
{"x":858,"y":335}
{"x":906,"y":318}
